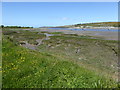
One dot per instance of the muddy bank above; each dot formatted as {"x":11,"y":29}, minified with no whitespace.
{"x":102,"y":34}
{"x":39,"y":42}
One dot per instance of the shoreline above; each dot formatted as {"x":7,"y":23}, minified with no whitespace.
{"x":115,"y":28}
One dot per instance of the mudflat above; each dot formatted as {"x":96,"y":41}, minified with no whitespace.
{"x":107,"y":35}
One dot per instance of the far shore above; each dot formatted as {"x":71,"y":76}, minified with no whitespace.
{"x":115,"y":28}
{"x":110,"y":28}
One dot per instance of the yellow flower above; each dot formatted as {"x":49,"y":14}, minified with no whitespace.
{"x":23,"y":60}
{"x":14,"y":68}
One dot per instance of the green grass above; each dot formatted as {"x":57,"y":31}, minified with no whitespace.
{"x":95,"y":54}
{"x":55,"y":64}
{"x":23,"y":68}
{"x":96,"y":24}
{"x":19,"y":35}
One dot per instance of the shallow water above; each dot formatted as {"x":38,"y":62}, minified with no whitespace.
{"x":108,"y":30}
{"x":34,"y":47}
{"x":47,"y":35}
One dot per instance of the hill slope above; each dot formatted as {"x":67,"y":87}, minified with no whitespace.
{"x":97,"y":24}
{"x":23,"y":68}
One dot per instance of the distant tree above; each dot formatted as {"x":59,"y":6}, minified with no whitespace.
{"x":2,"y":26}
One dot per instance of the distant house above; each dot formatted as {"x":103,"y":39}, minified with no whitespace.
{"x":81,"y":26}
{"x":89,"y":26}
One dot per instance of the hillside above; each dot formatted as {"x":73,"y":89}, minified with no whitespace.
{"x":97,"y":24}
{"x":55,"y":63}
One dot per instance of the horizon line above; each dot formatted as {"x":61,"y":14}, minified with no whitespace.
{"x":60,"y":25}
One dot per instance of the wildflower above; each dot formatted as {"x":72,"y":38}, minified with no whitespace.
{"x":14,"y":68}
{"x":23,"y":60}
{"x":12,"y":64}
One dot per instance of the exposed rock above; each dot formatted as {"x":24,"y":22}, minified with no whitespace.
{"x":77,"y":50}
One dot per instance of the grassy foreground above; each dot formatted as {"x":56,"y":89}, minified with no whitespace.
{"x":24,"y":68}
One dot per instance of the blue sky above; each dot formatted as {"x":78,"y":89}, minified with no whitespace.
{"x":38,"y":14}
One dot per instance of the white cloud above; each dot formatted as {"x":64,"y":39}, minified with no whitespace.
{"x":65,"y":18}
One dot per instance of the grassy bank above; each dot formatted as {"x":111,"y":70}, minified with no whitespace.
{"x":49,"y":68}
{"x":99,"y":55}
{"x":95,"y":24}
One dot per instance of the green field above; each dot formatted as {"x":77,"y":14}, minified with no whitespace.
{"x":95,"y":24}
{"x":101,"y":24}
{"x":63,"y":61}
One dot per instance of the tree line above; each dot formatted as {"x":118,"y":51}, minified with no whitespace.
{"x":2,"y":26}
